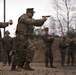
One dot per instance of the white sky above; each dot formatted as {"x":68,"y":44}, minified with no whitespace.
{"x":15,"y":8}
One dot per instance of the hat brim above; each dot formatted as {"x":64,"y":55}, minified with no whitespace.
{"x":33,"y":12}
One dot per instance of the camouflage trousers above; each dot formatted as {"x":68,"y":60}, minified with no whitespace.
{"x":6,"y":57}
{"x":62,"y":58}
{"x":24,"y":51}
{"x":48,"y":56}
{"x":71,"y":57}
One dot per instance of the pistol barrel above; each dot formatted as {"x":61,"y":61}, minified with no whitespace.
{"x":46,"y":16}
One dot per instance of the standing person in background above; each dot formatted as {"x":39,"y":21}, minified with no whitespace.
{"x":7,"y":43}
{"x":0,"y":50}
{"x":4,"y":25}
{"x":0,"y":47}
{"x":63,"y":46}
{"x":71,"y":51}
{"x":24,"y":49}
{"x":48,"y":41}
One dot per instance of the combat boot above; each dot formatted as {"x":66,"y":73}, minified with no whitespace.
{"x":51,"y":65}
{"x":13,"y":68}
{"x":27,"y":67}
{"x":46,"y":65}
{"x":20,"y":68}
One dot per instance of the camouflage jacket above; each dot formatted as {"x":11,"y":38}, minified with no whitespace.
{"x":62,"y":46}
{"x":26,"y":25}
{"x":48,"y":41}
{"x":7,"y":43}
{"x":71,"y":46}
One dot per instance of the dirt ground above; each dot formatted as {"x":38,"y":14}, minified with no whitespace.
{"x":38,"y":63}
{"x":40,"y":69}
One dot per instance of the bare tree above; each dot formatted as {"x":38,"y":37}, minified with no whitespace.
{"x":65,"y":12}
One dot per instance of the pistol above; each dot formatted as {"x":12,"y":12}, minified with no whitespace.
{"x":46,"y":16}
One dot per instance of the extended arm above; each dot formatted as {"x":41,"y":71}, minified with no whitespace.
{"x":28,"y":21}
{"x":3,"y":25}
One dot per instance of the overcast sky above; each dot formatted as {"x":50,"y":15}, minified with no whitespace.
{"x":15,"y":8}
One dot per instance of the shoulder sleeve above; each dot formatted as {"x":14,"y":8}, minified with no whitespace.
{"x":3,"y":25}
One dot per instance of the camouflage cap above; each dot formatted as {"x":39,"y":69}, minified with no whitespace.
{"x":46,"y":29}
{"x":30,"y":10}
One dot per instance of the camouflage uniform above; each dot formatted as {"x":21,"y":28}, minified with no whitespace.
{"x":48,"y":41}
{"x":2,"y":25}
{"x":62,"y":47}
{"x":0,"y":49}
{"x":24,"y":50}
{"x":71,"y":52}
{"x":7,"y":43}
